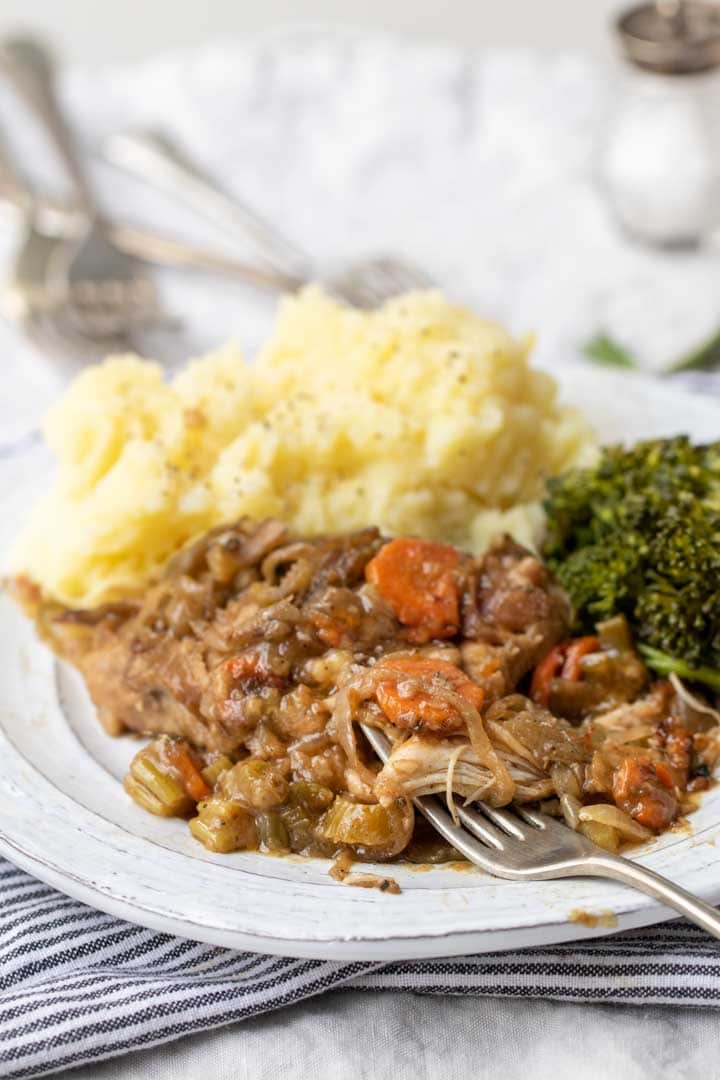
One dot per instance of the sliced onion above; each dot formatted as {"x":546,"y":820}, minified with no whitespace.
{"x":508,"y":740}
{"x":288,"y":553}
{"x":693,"y":702}
{"x":602,"y":835}
{"x":341,"y":724}
{"x":488,"y":756}
{"x":565,"y":780}
{"x":571,"y":807}
{"x":456,"y":754}
{"x":633,"y":734}
{"x":615,"y":818}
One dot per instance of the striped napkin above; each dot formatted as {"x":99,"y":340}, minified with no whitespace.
{"x":78,"y":986}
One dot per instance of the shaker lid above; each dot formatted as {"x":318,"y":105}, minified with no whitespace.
{"x":672,"y":36}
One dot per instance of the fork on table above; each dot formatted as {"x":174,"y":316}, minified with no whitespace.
{"x":155,"y":158}
{"x":523,"y":844}
{"x":27,"y":298}
{"x":78,"y":286}
{"x":93,"y":289}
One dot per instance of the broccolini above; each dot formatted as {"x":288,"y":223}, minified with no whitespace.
{"x":640,"y":534}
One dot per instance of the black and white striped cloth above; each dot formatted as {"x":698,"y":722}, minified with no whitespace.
{"x":78,"y":986}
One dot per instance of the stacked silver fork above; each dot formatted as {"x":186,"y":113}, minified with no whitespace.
{"x":79,"y":282}
{"x":153,"y":157}
{"x":80,"y":291}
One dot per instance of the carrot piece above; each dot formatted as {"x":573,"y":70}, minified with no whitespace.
{"x":418,"y":579}
{"x":245,"y":666}
{"x":180,"y":758}
{"x":665,"y":775}
{"x":678,"y":748}
{"x":563,"y":661}
{"x":543,"y":675}
{"x":420,"y":710}
{"x":251,"y":671}
{"x":337,"y":629}
{"x":641,"y":789}
{"x":330,"y":631}
{"x":576,"y":649}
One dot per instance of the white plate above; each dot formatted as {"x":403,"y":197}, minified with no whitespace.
{"x":65,"y":818}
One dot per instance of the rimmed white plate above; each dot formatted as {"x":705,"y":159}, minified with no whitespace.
{"x":65,"y":818}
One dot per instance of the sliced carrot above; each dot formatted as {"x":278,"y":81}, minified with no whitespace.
{"x":247,"y":665}
{"x":329,"y":630}
{"x":251,"y":671}
{"x":336,"y":629}
{"x":180,"y":758}
{"x":547,"y":670}
{"x":576,"y":649}
{"x":678,"y":747}
{"x":665,"y":775}
{"x":418,"y":579}
{"x":641,"y":789}
{"x":563,"y":661}
{"x":420,"y":710}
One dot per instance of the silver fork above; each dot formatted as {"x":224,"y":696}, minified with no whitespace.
{"x":27,"y":299}
{"x":105,"y":291}
{"x":155,"y":158}
{"x":525,"y":845}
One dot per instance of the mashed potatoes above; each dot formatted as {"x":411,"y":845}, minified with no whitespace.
{"x":419,"y":418}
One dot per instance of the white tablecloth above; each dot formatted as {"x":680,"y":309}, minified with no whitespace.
{"x":384,"y":1036}
{"x":481,"y":168}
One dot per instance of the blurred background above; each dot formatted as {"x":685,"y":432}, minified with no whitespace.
{"x":138,"y":28}
{"x":526,"y":158}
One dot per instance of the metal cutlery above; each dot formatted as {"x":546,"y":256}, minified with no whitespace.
{"x":29,"y":302}
{"x":369,"y":283}
{"x":154,"y":158}
{"x":61,"y":221}
{"x":366,"y":284}
{"x":28,"y":298}
{"x":104,"y":292}
{"x":524,"y":845}
{"x":77,"y":285}
{"x":164,"y":250}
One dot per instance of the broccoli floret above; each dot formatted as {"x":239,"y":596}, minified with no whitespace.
{"x":640,"y":534}
{"x":601,"y":579}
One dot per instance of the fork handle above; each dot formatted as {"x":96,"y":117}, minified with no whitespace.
{"x":655,"y":885}
{"x":13,"y":187}
{"x":155,"y":158}
{"x":154,"y":247}
{"x":29,"y":67}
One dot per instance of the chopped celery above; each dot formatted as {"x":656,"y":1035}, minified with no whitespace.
{"x":272,"y":833}
{"x":156,"y":790}
{"x":223,"y":825}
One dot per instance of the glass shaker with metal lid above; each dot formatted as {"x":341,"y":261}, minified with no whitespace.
{"x":661,"y":153}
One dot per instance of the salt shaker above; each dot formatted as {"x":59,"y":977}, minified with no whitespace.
{"x":660,"y":161}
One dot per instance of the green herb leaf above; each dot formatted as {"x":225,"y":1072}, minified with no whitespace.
{"x":603,"y":350}
{"x":705,"y":357}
